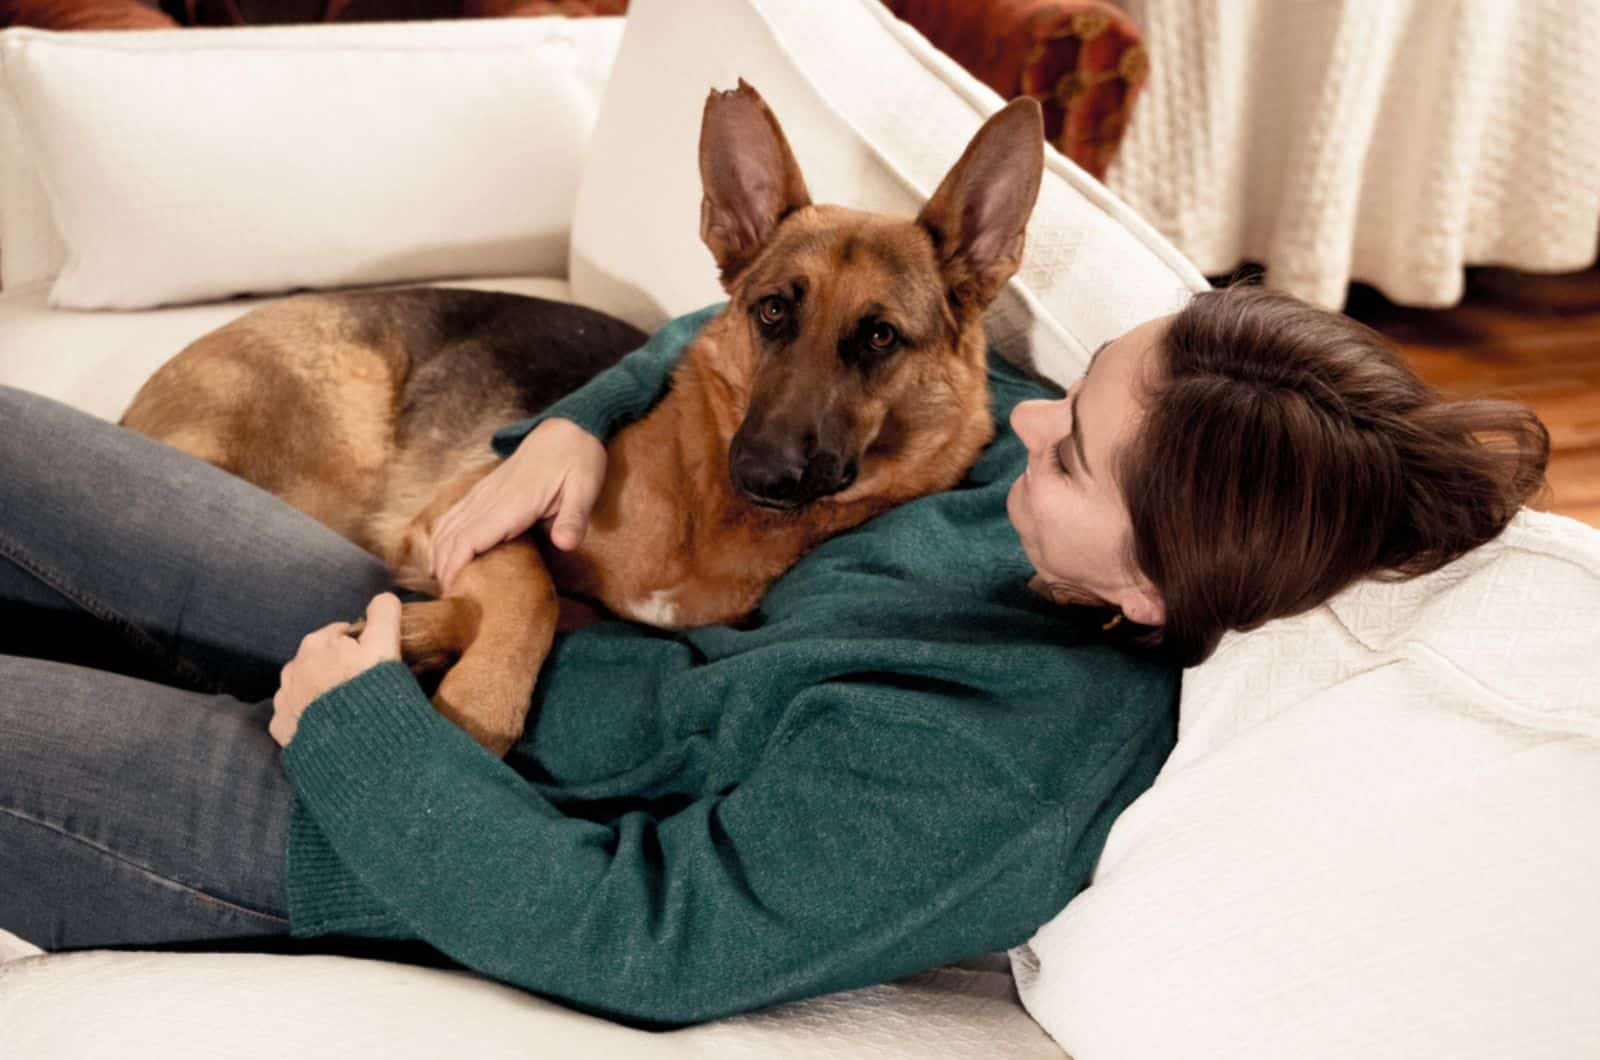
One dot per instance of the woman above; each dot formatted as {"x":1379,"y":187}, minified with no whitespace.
{"x":914,"y":755}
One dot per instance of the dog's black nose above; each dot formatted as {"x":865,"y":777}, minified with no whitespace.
{"x":772,"y":476}
{"x":783,"y":476}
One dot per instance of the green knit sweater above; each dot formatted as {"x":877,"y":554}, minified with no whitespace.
{"x":907,"y":759}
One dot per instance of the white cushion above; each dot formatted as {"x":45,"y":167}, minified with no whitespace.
{"x":98,"y":361}
{"x":30,"y":245}
{"x":13,"y":948}
{"x":156,"y":1006}
{"x":876,"y":117}
{"x":1379,"y":836}
{"x":192,"y":165}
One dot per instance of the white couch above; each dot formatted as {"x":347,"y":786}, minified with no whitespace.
{"x":1194,"y":940}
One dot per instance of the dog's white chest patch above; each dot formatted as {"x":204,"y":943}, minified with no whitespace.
{"x":657,"y":609}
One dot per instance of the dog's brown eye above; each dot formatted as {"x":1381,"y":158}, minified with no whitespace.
{"x":882,"y":336}
{"x":773,"y":310}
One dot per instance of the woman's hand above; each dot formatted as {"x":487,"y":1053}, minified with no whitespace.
{"x":555,"y":476}
{"x":329,"y":657}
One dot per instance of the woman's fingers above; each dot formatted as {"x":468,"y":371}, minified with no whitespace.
{"x":332,"y":629}
{"x":450,"y":532}
{"x":578,"y":495}
{"x":454,"y":559}
{"x":555,"y":476}
{"x":382,"y":631}
{"x":461,"y":553}
{"x":480,"y":531}
{"x":444,"y":536}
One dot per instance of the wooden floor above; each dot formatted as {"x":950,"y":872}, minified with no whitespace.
{"x":1535,"y":339}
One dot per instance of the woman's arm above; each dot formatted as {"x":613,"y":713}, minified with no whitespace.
{"x":621,"y":393}
{"x":868,"y":844}
{"x":555,"y":462}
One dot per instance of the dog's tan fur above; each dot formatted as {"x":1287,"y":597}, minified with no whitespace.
{"x":303,"y":398}
{"x":714,"y":553}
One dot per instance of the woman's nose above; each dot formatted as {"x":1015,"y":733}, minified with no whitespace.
{"x":1029,"y":420}
{"x":1022,"y":420}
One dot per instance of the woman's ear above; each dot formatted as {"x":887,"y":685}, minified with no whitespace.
{"x":1142,"y":604}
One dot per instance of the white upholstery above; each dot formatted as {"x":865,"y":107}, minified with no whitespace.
{"x":1378,"y":837}
{"x":165,"y":1007}
{"x":403,"y":156}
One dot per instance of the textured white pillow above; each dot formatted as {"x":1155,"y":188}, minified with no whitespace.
{"x":198,"y":165}
{"x":1379,"y":836}
{"x":876,"y":117}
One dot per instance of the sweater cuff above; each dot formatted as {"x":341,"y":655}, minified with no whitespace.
{"x":598,"y":420}
{"x":622,"y":393}
{"x":350,"y":743}
{"x":326,"y":898}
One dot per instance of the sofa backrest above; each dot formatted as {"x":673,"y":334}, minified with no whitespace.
{"x":31,"y":243}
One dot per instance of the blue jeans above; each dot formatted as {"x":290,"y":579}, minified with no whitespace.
{"x":147,"y":603}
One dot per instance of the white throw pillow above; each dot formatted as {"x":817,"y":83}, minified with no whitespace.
{"x":202,"y":164}
{"x":876,"y":116}
{"x":1379,"y":836}
{"x":30,"y":246}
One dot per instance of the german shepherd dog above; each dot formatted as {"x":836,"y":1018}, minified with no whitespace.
{"x":846,"y":375}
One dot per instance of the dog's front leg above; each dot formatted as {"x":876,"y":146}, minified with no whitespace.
{"x":487,"y":691}
{"x":490,"y":633}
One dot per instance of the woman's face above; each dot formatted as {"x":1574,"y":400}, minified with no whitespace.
{"x":1067,"y":506}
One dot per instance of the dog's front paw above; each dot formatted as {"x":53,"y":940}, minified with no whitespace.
{"x":433,"y":633}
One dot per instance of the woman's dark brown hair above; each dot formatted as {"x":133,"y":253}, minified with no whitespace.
{"x":1288,"y":450}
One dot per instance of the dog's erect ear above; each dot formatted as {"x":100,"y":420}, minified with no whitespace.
{"x":750,"y":177}
{"x":978,"y":215}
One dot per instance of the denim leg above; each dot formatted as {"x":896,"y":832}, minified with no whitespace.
{"x":198,"y":573}
{"x":134,"y":812}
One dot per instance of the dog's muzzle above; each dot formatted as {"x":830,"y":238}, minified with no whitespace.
{"x":784,"y":477}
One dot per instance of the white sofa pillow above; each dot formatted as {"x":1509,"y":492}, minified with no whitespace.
{"x":200,"y":164}
{"x":1379,"y":836}
{"x":30,"y":245}
{"x":876,"y":116}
